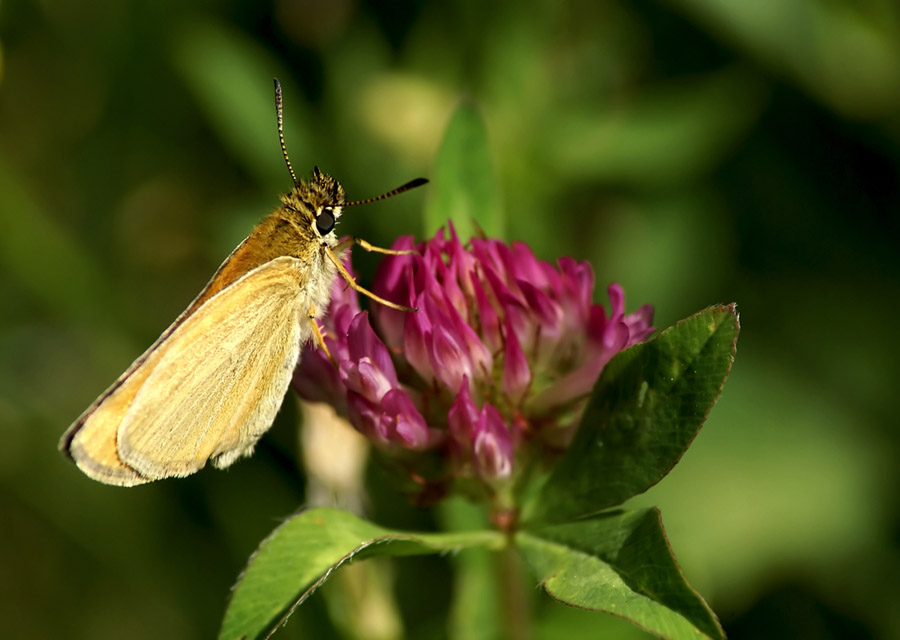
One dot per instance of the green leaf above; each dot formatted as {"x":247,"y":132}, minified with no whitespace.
{"x":646,"y":408}
{"x":619,"y":563}
{"x":464,"y":188}
{"x":303,"y":552}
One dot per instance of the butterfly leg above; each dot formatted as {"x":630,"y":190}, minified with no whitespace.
{"x":346,"y":242}
{"x":357,"y":287}
{"x":320,"y":339}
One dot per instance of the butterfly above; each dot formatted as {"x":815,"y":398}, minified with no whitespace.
{"x":212,"y":383}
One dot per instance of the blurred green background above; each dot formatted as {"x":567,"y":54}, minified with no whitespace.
{"x":696,"y":151}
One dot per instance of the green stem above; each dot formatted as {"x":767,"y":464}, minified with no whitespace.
{"x":513,"y":597}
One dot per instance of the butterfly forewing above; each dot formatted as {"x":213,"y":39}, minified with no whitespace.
{"x":209,"y":389}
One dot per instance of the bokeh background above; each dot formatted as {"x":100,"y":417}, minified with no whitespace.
{"x":696,"y":151}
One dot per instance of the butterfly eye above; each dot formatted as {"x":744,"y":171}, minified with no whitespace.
{"x":325,"y":222}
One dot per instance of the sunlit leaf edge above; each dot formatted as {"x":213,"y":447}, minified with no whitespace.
{"x":556,"y":579}
{"x":370,"y":540}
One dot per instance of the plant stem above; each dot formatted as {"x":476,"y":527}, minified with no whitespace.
{"x":513,"y":598}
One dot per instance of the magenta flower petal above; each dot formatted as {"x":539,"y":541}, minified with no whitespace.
{"x":639,"y":325}
{"x":480,"y":358}
{"x":548,"y":312}
{"x":462,"y":262}
{"x":476,"y":358}
{"x":363,"y":343}
{"x":394,"y":281}
{"x":365,"y":417}
{"x":576,"y":290}
{"x":449,"y":360}
{"x":441,"y":312}
{"x":341,"y":293}
{"x":366,"y":379}
{"x":416,"y":342}
{"x":493,"y":446}
{"x":317,"y":380}
{"x":489,"y":319}
{"x":516,"y":373}
{"x":514,"y":306}
{"x":462,"y":417}
{"x":523,"y":265}
{"x":449,"y":287}
{"x":511,"y":266}
{"x":338,"y":322}
{"x":486,"y":253}
{"x":615,"y":333}
{"x":401,"y":422}
{"x":392,"y":273}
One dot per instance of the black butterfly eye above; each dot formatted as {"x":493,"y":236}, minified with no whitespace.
{"x":325,"y":222}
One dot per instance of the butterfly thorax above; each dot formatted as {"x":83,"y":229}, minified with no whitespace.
{"x":290,"y":230}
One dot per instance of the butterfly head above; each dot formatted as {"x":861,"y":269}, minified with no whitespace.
{"x":319,"y":201}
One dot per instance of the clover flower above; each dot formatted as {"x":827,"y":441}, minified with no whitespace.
{"x":487,"y":379}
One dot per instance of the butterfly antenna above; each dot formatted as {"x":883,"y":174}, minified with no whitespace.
{"x":412,"y":184}
{"x":279,"y":117}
